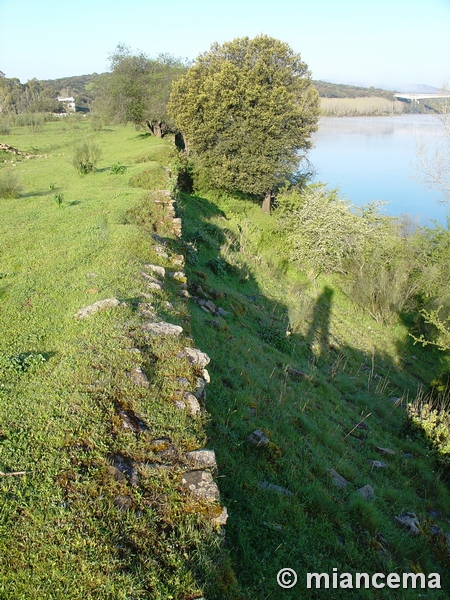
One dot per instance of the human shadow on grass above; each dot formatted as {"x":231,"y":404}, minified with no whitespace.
{"x":319,"y":330}
{"x":40,"y":193}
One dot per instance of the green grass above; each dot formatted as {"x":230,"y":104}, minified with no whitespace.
{"x":277,"y":320}
{"x":63,"y":383}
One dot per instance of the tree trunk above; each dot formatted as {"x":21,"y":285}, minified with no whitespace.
{"x":157,"y":129}
{"x":266,"y":202}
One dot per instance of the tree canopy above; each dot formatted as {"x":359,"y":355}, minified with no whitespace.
{"x":246,"y":110}
{"x":137,"y":89}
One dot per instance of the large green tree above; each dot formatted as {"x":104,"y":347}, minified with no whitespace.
{"x":138,"y":88}
{"x":246,"y":110}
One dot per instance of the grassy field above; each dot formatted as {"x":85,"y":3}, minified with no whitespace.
{"x":293,"y":358}
{"x":73,"y":526}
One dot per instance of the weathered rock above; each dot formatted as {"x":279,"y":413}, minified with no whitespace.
{"x":195,"y":357}
{"x":366,"y":492}
{"x":200,"y":388}
{"x":192,"y":403}
{"x":202,"y":458}
{"x":93,"y":308}
{"x":155,"y":269}
{"x":180,"y":404}
{"x":410,"y":521}
{"x":184,"y":294}
{"x":206,"y":376}
{"x":338,"y":480}
{"x":139,"y":377}
{"x":162,"y":328}
{"x":183,"y":381}
{"x":201,"y":484}
{"x":265,"y":485}
{"x":222,"y":312}
{"x":155,"y":285}
{"x":385,"y":451}
{"x":211,"y":306}
{"x":160,"y":251}
{"x":377,"y":464}
{"x":258,"y":438}
{"x":178,"y":259}
{"x":150,"y":278}
{"x":178,"y":276}
{"x":220,"y":520}
{"x":7,"y":148}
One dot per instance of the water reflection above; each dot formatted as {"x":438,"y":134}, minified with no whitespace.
{"x":373,"y":158}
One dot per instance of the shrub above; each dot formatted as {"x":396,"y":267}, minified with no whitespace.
{"x":9,"y":185}
{"x":321,"y":230}
{"x":442,"y":326}
{"x":431,"y":416}
{"x":96,"y":123}
{"x":4,"y":129}
{"x":86,"y":157}
{"x":381,"y":263}
{"x":117,"y":169}
{"x":34,"y":121}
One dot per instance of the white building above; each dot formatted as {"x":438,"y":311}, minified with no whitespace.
{"x":69,"y":103}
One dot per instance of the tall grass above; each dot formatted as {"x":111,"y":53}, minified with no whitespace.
{"x":360,"y":107}
{"x":9,"y":184}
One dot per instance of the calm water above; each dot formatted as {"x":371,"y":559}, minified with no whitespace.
{"x":373,"y":158}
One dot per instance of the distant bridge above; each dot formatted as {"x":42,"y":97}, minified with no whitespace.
{"x":417,"y":97}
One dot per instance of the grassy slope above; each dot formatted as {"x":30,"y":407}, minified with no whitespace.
{"x":63,"y":382}
{"x":355,"y":367}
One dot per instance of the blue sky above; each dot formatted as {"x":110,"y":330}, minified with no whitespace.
{"x":367,"y":42}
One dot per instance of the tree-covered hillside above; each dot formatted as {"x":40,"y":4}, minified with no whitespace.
{"x":339,"y":90}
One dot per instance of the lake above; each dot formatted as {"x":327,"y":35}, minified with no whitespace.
{"x":373,"y":158}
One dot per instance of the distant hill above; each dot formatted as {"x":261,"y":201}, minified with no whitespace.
{"x":339,"y":90}
{"x":73,"y":86}
{"x":417,"y":88}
